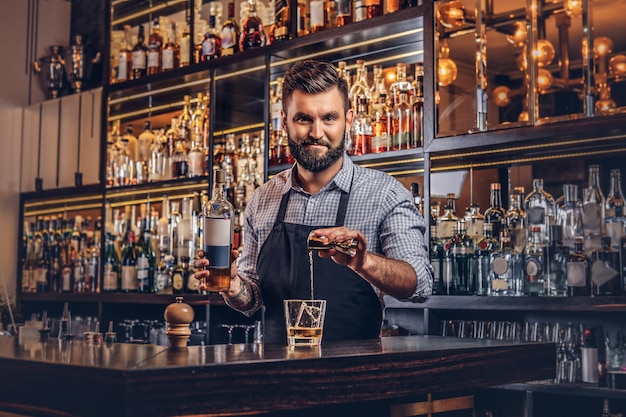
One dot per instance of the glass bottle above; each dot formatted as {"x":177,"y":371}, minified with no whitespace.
{"x":180,"y":161}
{"x":184,"y":123}
{"x":374,"y":8}
{"x":140,"y":54}
{"x":578,"y":282}
{"x":483,"y":253}
{"x":344,"y":72}
{"x":540,"y":209}
{"x":276,"y":126}
{"x":146,"y":263}
{"x":42,"y":279}
{"x":495,"y":213}
{"x":557,"y":255}
{"x":125,"y":58}
{"x":417,"y":199}
{"x":144,"y":142}
{"x":361,"y":130}
{"x":605,"y":270}
{"x":570,"y":215}
{"x":381,"y":125}
{"x":319,"y":16}
{"x":252,"y":34}
{"x":155,"y":46}
{"x":417,"y":107}
{"x":614,"y":210}
{"x":170,"y":54}
{"x":218,"y":216}
{"x":593,"y":210}
{"x":178,"y":278}
{"x":474,"y":222}
{"x":129,"y":265}
{"x":230,"y":32}
{"x":344,"y":12}
{"x":400,"y":84}
{"x":535,"y":263}
{"x":173,"y":223}
{"x":507,"y":269}
{"x":111,"y":270}
{"x":515,"y":222}
{"x":185,"y":42}
{"x":158,"y":158}
{"x":212,"y":43}
{"x":459,"y":262}
{"x":436,"y":260}
{"x":448,"y":219}
{"x":190,"y":282}
{"x":401,"y":135}
{"x":163,"y":275}
{"x":360,"y":86}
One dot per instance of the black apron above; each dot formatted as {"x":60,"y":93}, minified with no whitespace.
{"x":353,"y":310}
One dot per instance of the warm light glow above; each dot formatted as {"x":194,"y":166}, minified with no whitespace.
{"x":451,"y":14}
{"x":519,"y":36}
{"x":602,"y":46}
{"x":617,"y":65}
{"x":501,"y":96}
{"x":447,"y":71}
{"x":574,"y":7}
{"x":605,"y":105}
{"x":544,"y":52}
{"x":523,"y":116}
{"x":521,"y":61}
{"x":544,"y":79}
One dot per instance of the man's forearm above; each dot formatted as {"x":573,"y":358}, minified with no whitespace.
{"x":392,"y":276}
{"x":241,"y":296}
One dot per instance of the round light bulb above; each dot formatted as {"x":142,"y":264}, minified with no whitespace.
{"x":519,"y":36}
{"x":574,"y":7}
{"x":544,"y":79}
{"x":451,"y":14}
{"x":544,"y":52}
{"x":447,"y":71}
{"x":602,"y":46}
{"x":501,"y":96}
{"x":617,"y":65}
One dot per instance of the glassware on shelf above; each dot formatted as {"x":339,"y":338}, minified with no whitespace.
{"x":474,"y":222}
{"x":515,"y":221}
{"x":52,"y":71}
{"x":605,"y":270}
{"x":614,"y":210}
{"x":252,"y":33}
{"x":495,"y":214}
{"x":535,"y":263}
{"x":578,"y":264}
{"x":507,"y":273}
{"x":448,"y":219}
{"x":484,"y":249}
{"x":593,"y":210}
{"x":557,"y":255}
{"x":540,"y":210}
{"x":570,"y":216}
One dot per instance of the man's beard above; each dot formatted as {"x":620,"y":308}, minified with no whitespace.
{"x":309,"y":158}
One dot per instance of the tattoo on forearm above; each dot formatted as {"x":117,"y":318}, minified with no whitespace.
{"x":243,"y":297}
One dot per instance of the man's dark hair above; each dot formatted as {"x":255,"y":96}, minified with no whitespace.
{"x":313,"y":77}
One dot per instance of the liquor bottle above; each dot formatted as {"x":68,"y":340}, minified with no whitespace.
{"x":483,"y":253}
{"x":540,"y":210}
{"x":178,"y":279}
{"x":605,"y":270}
{"x":507,"y":269}
{"x":158,"y":158}
{"x":125,"y":57}
{"x":570,"y":216}
{"x":146,"y":263}
{"x":129,"y":265}
{"x":400,"y":84}
{"x":276,"y":126}
{"x":180,"y":161}
{"x":190,"y":282}
{"x":448,"y":219}
{"x":614,"y":210}
{"x":230,"y":32}
{"x":196,"y":157}
{"x":184,"y":236}
{"x":212,"y":43}
{"x":174,"y":221}
{"x":361,"y":130}
{"x":170,"y":54}
{"x":374,"y":8}
{"x":140,"y":54}
{"x":360,"y":86}
{"x":344,"y":12}
{"x":252,"y":34}
{"x":319,"y":16}
{"x":515,"y":222}
{"x":344,"y":72}
{"x":111,"y":270}
{"x":557,"y":255}
{"x":417,"y":107}
{"x":55,"y":265}
{"x":381,"y":125}
{"x":360,"y":10}
{"x":535,"y":263}
{"x":163,"y":236}
{"x":92,"y":267}
{"x":185,"y":41}
{"x":155,"y":46}
{"x":392,"y":6}
{"x":184,"y":123}
{"x":79,"y":265}
{"x":461,"y":253}
{"x":495,"y":213}
{"x":401,"y":134}
{"x":163,"y":275}
{"x":217,"y":231}
{"x":417,"y":199}
{"x":578,"y":282}
{"x":144,"y":142}
{"x":436,"y":253}
{"x":42,"y":279}
{"x":593,"y":210}
{"x":474,"y":222}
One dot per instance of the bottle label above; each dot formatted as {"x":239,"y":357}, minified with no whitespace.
{"x":142,"y":268}
{"x":317,"y":13}
{"x":360,"y":11}
{"x":109,"y":281}
{"x":499,"y":285}
{"x":344,"y":8}
{"x":592,"y":218}
{"x":196,"y":164}
{"x":160,"y":281}
{"x":533,"y":268}
{"x":177,"y":281}
{"x":129,"y":278}
{"x":192,"y":283}
{"x":615,"y":230}
{"x":217,"y":236}
{"x":167,"y":59}
{"x":208,"y":47}
{"x":536,"y":215}
{"x":122,"y":67}
{"x":153,"y":59}
{"x":184,"y":51}
{"x":576,"y":274}
{"x":66,"y":277}
{"x":139,"y":60}
{"x":601,"y":273}
{"x":218,"y":256}
{"x":499,"y":266}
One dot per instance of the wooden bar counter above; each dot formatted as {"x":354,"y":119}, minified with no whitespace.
{"x":72,"y":378}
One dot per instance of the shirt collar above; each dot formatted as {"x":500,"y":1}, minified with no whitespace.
{"x":343,"y":179}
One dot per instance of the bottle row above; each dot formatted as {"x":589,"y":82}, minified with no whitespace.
{"x":170,"y":43}
{"x":142,"y":253}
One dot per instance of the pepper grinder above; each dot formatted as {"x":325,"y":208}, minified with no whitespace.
{"x":178,"y":317}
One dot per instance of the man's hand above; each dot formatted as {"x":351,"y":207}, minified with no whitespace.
{"x":340,"y":234}
{"x":202,"y":273}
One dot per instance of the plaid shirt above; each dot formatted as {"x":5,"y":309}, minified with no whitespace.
{"x":380,"y":207}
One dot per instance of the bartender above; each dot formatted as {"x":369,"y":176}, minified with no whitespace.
{"x":325,"y":193}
